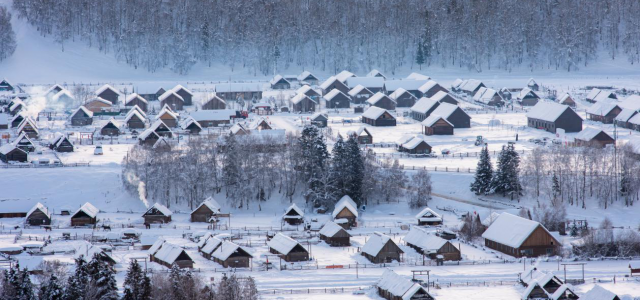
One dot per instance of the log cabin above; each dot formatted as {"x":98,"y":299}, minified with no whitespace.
{"x":518,"y":237}
{"x":213,"y":118}
{"x":279,"y":83}
{"x":376,"y":73}
{"x":592,"y":137}
{"x":362,"y":135}
{"x":527,"y":97}
{"x":337,"y":99}
{"x":307,"y":77}
{"x":428,"y":217}
{"x":38,"y":215}
{"x":135,"y":120}
{"x":604,"y":112}
{"x":168,"y":255}
{"x":376,"y":116}
{"x":423,"y":108}
{"x":215,"y":102}
{"x":403,"y":98}
{"x":184,"y":93}
{"x":334,"y":235}
{"x":98,"y":105}
{"x":301,"y":103}
{"x":87,"y":214}
{"x":345,"y":213}
{"x":108,"y":93}
{"x":430,"y":88}
{"x":171,"y":99}
{"x":242,"y":91}
{"x":81,"y":117}
{"x":381,"y":100}
{"x":231,"y":255}
{"x":550,"y":116}
{"x":430,"y":245}
{"x":110,"y":129}
{"x":319,"y":119}
{"x":287,"y":248}
{"x":135,"y":99}
{"x":437,"y":125}
{"x":157,"y":213}
{"x":454,"y":114}
{"x":207,"y":210}
{"x":373,"y":84}
{"x":333,"y":83}
{"x":360,"y":94}
{"x":293,"y":215}
{"x":380,"y":248}
{"x":311,"y":93}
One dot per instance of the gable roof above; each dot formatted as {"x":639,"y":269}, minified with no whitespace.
{"x":589,"y":133}
{"x":428,"y":86}
{"x":547,"y":111}
{"x":418,"y":76}
{"x":407,"y":84}
{"x":42,"y":208}
{"x":325,"y":85}
{"x":15,"y":103}
{"x":106,"y":87}
{"x":277,"y":79}
{"x":161,"y":208}
{"x":179,"y":87}
{"x":375,"y":73}
{"x":100,"y":100}
{"x":168,"y":253}
{"x":330,"y":229}
{"x":188,"y":122}
{"x":357,"y":89}
{"x":7,"y":148}
{"x":470,"y":85}
{"x":306,"y":74}
{"x":374,"y":112}
{"x":399,"y":92}
{"x":211,"y":245}
{"x":602,"y":108}
{"x":375,"y":243}
{"x":226,"y":249}
{"x":295,"y":209}
{"x":419,"y":237}
{"x":427,"y":214}
{"x":28,"y":121}
{"x":282,"y":243}
{"x":625,"y":114}
{"x":632,"y":102}
{"x":232,"y":87}
{"x":133,"y":113}
{"x":414,"y":142}
{"x":168,"y":93}
{"x":511,"y":230}
{"x":527,"y":92}
{"x":531,"y":82}
{"x":299,"y":97}
{"x":377,"y":97}
{"x":399,"y":286}
{"x":134,"y":96}
{"x":54,"y":87}
{"x":168,"y":111}
{"x":345,"y":202}
{"x":88,"y":209}
{"x":304,"y":89}
{"x":330,"y":95}
{"x":424,"y":105}
{"x":212,"y":115}
{"x":445,"y":110}
{"x":344,"y":75}
{"x":605,"y":96}
{"x":432,"y":119}
{"x":598,"y":293}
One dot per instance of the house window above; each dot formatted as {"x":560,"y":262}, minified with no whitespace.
{"x":549,"y":251}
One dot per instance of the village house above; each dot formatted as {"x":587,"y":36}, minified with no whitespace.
{"x":527,"y":97}
{"x":381,"y":100}
{"x":622,"y":119}
{"x":309,"y":92}
{"x":344,"y":76}
{"x":333,"y":83}
{"x":336,"y":99}
{"x":301,"y":103}
{"x":230,"y":255}
{"x":375,"y":73}
{"x":110,"y":129}
{"x":190,"y":126}
{"x":258,"y":124}
{"x":431,"y":245}
{"x":60,"y":143}
{"x":168,"y":255}
{"x":238,"y":129}
{"x":634,"y":122}
{"x":171,"y":99}
{"x":17,"y":120}
{"x":380,"y":248}
{"x":362,"y":135}
{"x":414,"y":145}
{"x":135,"y":99}
{"x":38,"y":215}
{"x":148,"y":137}
{"x":437,"y":125}
{"x":392,"y":286}
{"x":428,"y":217}
{"x":213,"y":118}
{"x":592,"y":137}
{"x":287,"y":248}
{"x":81,"y":117}
{"x":9,"y":152}
{"x":536,"y":292}
{"x":373,"y":84}
{"x":454,"y":115}
{"x":604,"y":112}
{"x":184,"y":93}
{"x":307,"y":77}
{"x":566,"y":99}
{"x":87,"y":214}
{"x":345,"y":212}
{"x":403,"y":98}
{"x":376,"y":116}
{"x":423,"y":108}
{"x":360,"y":94}
{"x":445,"y":97}
{"x":431,"y":88}
{"x":551,"y":116}
{"x":108,"y":93}
{"x":157,"y":213}
{"x":505,"y":93}
{"x":29,"y":127}
{"x":239,"y":91}
{"x":5,"y":86}
{"x":320,"y":120}
{"x":488,"y":97}
{"x":470,"y":86}
{"x":206,"y":211}
{"x":54,"y":89}
{"x":334,"y":235}
{"x":279,"y":83}
{"x":208,"y":244}
{"x":599,"y":293}
{"x":597,"y":95}
{"x":161,"y":144}
{"x":168,"y":117}
{"x":533,"y":85}
{"x":293,"y":215}
{"x":24,"y":142}
{"x":418,"y":76}
{"x":215,"y":102}
{"x":410,"y":85}
{"x":98,"y":105}
{"x":134,"y":120}
{"x":16,"y":106}
{"x":517,"y":237}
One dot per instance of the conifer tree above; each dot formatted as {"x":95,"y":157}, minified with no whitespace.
{"x":77,"y":283}
{"x":506,"y":180}
{"x":339,"y":166}
{"x":354,"y":171}
{"x":420,"y":56}
{"x":555,"y":186}
{"x":484,"y":174}
{"x":51,"y":289}
{"x":136,"y":283}
{"x":313,"y":165}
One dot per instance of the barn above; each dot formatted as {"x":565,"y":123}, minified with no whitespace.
{"x":334,"y":235}
{"x":337,"y":99}
{"x":301,"y":103}
{"x":168,"y":255}
{"x":184,"y":93}
{"x":86,"y":215}
{"x":345,"y":212}
{"x":293,"y":215}
{"x":381,"y":100}
{"x":108,"y":93}
{"x":215,"y":102}
{"x":403,"y":98}
{"x":376,"y":116}
{"x":392,"y":286}
{"x":516,"y":236}
{"x":360,"y":94}
{"x":454,"y":114}
{"x":527,"y":97}
{"x":135,"y":99}
{"x":171,"y":99}
{"x":431,"y":88}
{"x":380,"y":248}
{"x":604,"y":112}
{"x":415,"y":145}
{"x":110,"y":129}
{"x":550,"y":116}
{"x":333,"y":83}
{"x":279,"y":83}
{"x":38,"y":215}
{"x":423,"y":108}
{"x":431,"y":245}
{"x":428,"y":217}
{"x":9,"y":152}
{"x":206,"y":210}
{"x":437,"y":125}
{"x":157,"y":213}
{"x":81,"y":117}
{"x":287,"y":248}
{"x":230,"y":255}
{"x":592,"y":137}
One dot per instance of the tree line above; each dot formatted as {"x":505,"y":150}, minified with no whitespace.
{"x":7,"y":35}
{"x":357,"y":35}
{"x":252,"y":169}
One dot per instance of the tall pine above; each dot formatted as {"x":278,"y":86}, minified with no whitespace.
{"x":314,"y":165}
{"x":51,"y":289}
{"x":77,"y":283}
{"x":420,"y":56}
{"x":354,"y":171}
{"x":136,"y":283}
{"x":506,"y":180}
{"x":484,"y":174}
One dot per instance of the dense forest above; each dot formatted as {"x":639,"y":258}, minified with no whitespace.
{"x":263,"y":35}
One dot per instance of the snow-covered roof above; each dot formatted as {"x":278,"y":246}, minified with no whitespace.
{"x":424,"y":104}
{"x":547,"y":111}
{"x":445,"y":110}
{"x":456,"y":83}
{"x":527,"y":92}
{"x":211,"y":245}
{"x":635,"y":119}
{"x":4,"y":119}
{"x":344,"y":75}
{"x":398,"y":286}
{"x":15,"y":103}
{"x":156,"y":246}
{"x":276,"y":79}
{"x":210,"y":203}
{"x":374,"y":112}
{"x":61,"y":93}
{"x":88,"y":209}
{"x":357,"y":89}
{"x":531,"y":82}
{"x":325,"y":85}
{"x":407,"y":84}
{"x":419,"y":237}
{"x":133,"y":112}
{"x":299,"y":97}
{"x":432,"y":119}
{"x":490,"y":218}
{"x":601,"y":108}
{"x":237,"y":128}
{"x":166,"y":110}
{"x":588,"y":133}
{"x":42,"y":208}
{"x":295,"y":209}
{"x":357,"y":132}
{"x":330,"y":229}
{"x":100,"y":100}
{"x":168,"y":253}
{"x":226,"y":249}
{"x":634,"y":264}
{"x":375,"y":243}
{"x":632,"y":102}
{"x":598,"y":293}
{"x":418,"y":76}
{"x":186,"y":123}
{"x":511,"y":230}
{"x":179,"y":87}
{"x":375,"y":73}
{"x":106,"y":87}
{"x":345,"y":202}
{"x":6,"y":148}
{"x":427,"y":214}
{"x":152,"y":130}
{"x":485,"y":95}
{"x":134,"y":96}
{"x":335,"y":92}
{"x":397,"y":93}
{"x":605,"y":96}
{"x":160,"y":208}
{"x":148,"y":240}
{"x":414,"y":142}
{"x":564,"y":97}
{"x":54,"y":87}
{"x":282,"y":243}
{"x":428,"y":86}
{"x":213,"y":115}
{"x":30,"y":122}
{"x":377,"y":97}
{"x":470,"y":85}
{"x":306,"y":74}
{"x":168,"y":93}
{"x":593,"y":93}
{"x":304,"y":89}
{"x":203,"y":239}
{"x":370,"y":82}
{"x":238,"y":87}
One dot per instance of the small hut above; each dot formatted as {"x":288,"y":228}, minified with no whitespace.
{"x":392,"y":286}
{"x":293,"y":215}
{"x":108,"y":93}
{"x":437,"y":125}
{"x":110,"y":129}
{"x":210,"y":245}
{"x":319,"y":119}
{"x":206,"y":210}
{"x":345,"y":212}
{"x":414,"y":145}
{"x":81,"y":117}
{"x":380,"y":248}
{"x":9,"y":152}
{"x":168,"y":255}
{"x":135,"y":99}
{"x":85,"y":215}
{"x":376,"y":116}
{"x":287,"y":248}
{"x":215,"y":103}
{"x":158,"y":213}
{"x":230,"y":255}
{"x":334,"y":235}
{"x":302,"y":103}
{"x":428,"y":217}
{"x":431,"y":245}
{"x":38,"y":215}
{"x":171,"y":99}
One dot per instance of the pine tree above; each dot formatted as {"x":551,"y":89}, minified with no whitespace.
{"x":484,"y":174}
{"x":339,"y":166}
{"x":175,"y":276}
{"x":136,"y":283}
{"x":51,"y":290}
{"x":420,"y":56}
{"x":231,"y":169}
{"x":313,"y":164}
{"x":26,"y":290}
{"x":77,"y":283}
{"x":506,"y":180}
{"x":555,"y":186}
{"x":354,"y":171}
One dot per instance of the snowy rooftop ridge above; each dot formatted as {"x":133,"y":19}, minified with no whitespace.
{"x":374,"y":112}
{"x":398,"y":286}
{"x":375,"y":243}
{"x":432,"y":119}
{"x":357,"y":89}
{"x":419,"y":237}
{"x":226,"y":249}
{"x":445,"y":110}
{"x":547,"y":111}
{"x":282,"y":243}
{"x":330,"y":229}
{"x":88,"y":209}
{"x":417,"y":76}
{"x":423,"y":105}
{"x":588,"y":133}
{"x":598,"y":293}
{"x":134,"y":96}
{"x":345,"y":202}
{"x":41,"y":207}
{"x":335,"y":92}
{"x":106,"y":87}
{"x":511,"y":230}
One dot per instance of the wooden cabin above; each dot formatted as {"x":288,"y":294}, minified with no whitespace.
{"x":5,"y":86}
{"x":430,"y":245}
{"x":430,"y":88}
{"x":527,"y":97}
{"x":376,"y":116}
{"x":61,"y":143}
{"x":293,"y":215}
{"x":533,"y":85}
{"x":110,"y":129}
{"x":403,"y":98}
{"x":599,"y":293}
{"x":148,"y":138}
{"x":191,"y":126}
{"x":135,"y":120}
{"x":135,"y":99}
{"x":550,"y":116}
{"x":470,"y":86}
{"x":287,"y":248}
{"x":98,"y":105}
{"x":28,"y":127}
{"x":168,"y":117}
{"x":337,"y":99}
{"x":517,"y":237}
{"x":592,"y":137}
{"x":169,"y":255}
{"x":392,"y":286}
{"x":623,"y":118}
{"x":380,"y":248}
{"x":230,"y":255}
{"x":259,"y":123}
{"x":108,"y":93}
{"x":360,"y":94}
{"x":423,"y":108}
{"x":437,"y":125}
{"x":24,"y":142}
{"x":87,"y":214}
{"x":345,"y":213}
{"x":597,"y":95}
{"x":319,"y":119}
{"x":334,"y":235}
{"x":373,"y":84}
{"x":11,"y":153}
{"x":157,"y":213}
{"x":184,"y":93}
{"x":428,"y":217}
{"x":332,"y":83}
{"x":415,"y":145}
{"x":410,"y":85}
{"x":453,"y":114}
{"x":566,"y":99}
{"x":38,"y":215}
{"x":207,"y":210}
{"x":604,"y":112}
{"x":81,"y":117}
{"x":362,"y":135}
{"x":301,"y":103}
{"x":16,"y":106}
{"x":171,"y":99}
{"x":279,"y":83}
{"x":215,"y":102}
{"x":239,"y":91}
{"x":213,"y":118}
{"x":381,"y":100}
{"x":489,"y":97}
{"x":208,"y":244}
{"x":311,"y":93}
{"x":443,"y":97}
{"x":17,"y":120}
{"x":307,"y":77}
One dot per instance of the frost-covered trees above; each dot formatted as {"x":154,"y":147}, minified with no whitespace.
{"x":347,"y":168}
{"x":419,"y":189}
{"x":16,"y":284}
{"x":51,"y":289}
{"x":7,"y":36}
{"x":506,"y":180}
{"x":314,"y":160}
{"x":137,"y":285}
{"x":484,"y":174}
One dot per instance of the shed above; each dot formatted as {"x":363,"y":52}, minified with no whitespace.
{"x":381,"y":100}
{"x":293,"y":215}
{"x":108,"y":93}
{"x":362,"y":135}
{"x":279,"y":83}
{"x":593,"y":137}
{"x":287,"y":248}
{"x":415,"y":145}
{"x":319,"y":119}
{"x":566,"y":99}
{"x":403,"y":98}
{"x":311,"y":93}
{"x":360,"y":94}
{"x":428,"y":217}
{"x":604,"y":112}
{"x":110,"y":129}
{"x":376,"y":116}
{"x":135,"y":99}
{"x":307,"y":77}
{"x":550,"y":116}
{"x":345,"y":212}
{"x":191,"y":126}
{"x":169,"y":254}
{"x":392,"y":286}
{"x":231,"y":255}
{"x":334,"y":235}
{"x":207,"y":210}
{"x":157,"y":213}
{"x":454,"y":115}
{"x":215,"y":102}
{"x":431,"y":88}
{"x":184,"y":93}
{"x":213,"y":118}
{"x":337,"y":99}
{"x":333,"y":83}
{"x":599,"y":293}
{"x":437,"y":125}
{"x":134,"y":120}
{"x":171,"y":99}
{"x":38,"y":215}
{"x":431,"y":245}
{"x":24,"y":142}
{"x":380,"y":248}
{"x":516,"y":236}
{"x":86,"y":215}
{"x":527,"y":97}
{"x":81,"y":117}
{"x":9,"y":153}
{"x":302,"y":103}
{"x":423,"y":108}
